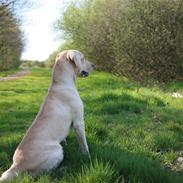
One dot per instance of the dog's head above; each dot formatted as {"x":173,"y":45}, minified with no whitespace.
{"x":83,"y":66}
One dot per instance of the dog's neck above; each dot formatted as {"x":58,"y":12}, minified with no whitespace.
{"x":64,"y":75}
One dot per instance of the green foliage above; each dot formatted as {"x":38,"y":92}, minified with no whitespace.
{"x":11,"y":43}
{"x":133,"y":143}
{"x":31,"y":63}
{"x":152,"y":40}
{"x":139,"y":39}
{"x":51,"y":59}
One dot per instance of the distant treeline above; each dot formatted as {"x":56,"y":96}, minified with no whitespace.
{"x":140,"y":39}
{"x":32,"y":63}
{"x":11,"y":43}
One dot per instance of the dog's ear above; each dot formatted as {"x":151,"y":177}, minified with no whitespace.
{"x":74,"y":57}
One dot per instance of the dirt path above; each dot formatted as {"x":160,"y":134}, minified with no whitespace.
{"x":18,"y":75}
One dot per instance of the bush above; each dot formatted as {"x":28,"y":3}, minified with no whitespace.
{"x":142,"y":40}
{"x":151,"y":43}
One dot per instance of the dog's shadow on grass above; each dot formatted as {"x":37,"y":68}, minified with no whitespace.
{"x":127,"y":165}
{"x":111,"y":103}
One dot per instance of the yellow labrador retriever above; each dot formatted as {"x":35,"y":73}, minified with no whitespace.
{"x":40,"y":149}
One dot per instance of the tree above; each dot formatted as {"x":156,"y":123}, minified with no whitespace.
{"x":142,"y":40}
{"x":11,"y":37}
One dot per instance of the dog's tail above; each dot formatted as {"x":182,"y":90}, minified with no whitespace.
{"x":9,"y":174}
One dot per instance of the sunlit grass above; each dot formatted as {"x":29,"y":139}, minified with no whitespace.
{"x":132,"y":134}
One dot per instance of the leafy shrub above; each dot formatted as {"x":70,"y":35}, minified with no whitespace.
{"x":139,"y":39}
{"x":151,"y":40}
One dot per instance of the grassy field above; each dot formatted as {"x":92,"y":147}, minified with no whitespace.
{"x":9,"y":72}
{"x":134,"y":135}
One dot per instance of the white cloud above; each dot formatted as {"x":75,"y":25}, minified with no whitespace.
{"x":41,"y":40}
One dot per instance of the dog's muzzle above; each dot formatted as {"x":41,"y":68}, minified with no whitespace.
{"x":84,"y":74}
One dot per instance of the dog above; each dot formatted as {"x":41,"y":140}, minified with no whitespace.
{"x":40,"y":149}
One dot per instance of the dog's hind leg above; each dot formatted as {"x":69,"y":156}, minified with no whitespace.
{"x":51,"y":162}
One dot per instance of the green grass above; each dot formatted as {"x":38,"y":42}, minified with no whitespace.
{"x":134,"y":135}
{"x":9,"y":72}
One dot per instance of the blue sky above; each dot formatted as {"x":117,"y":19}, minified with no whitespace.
{"x":41,"y":39}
